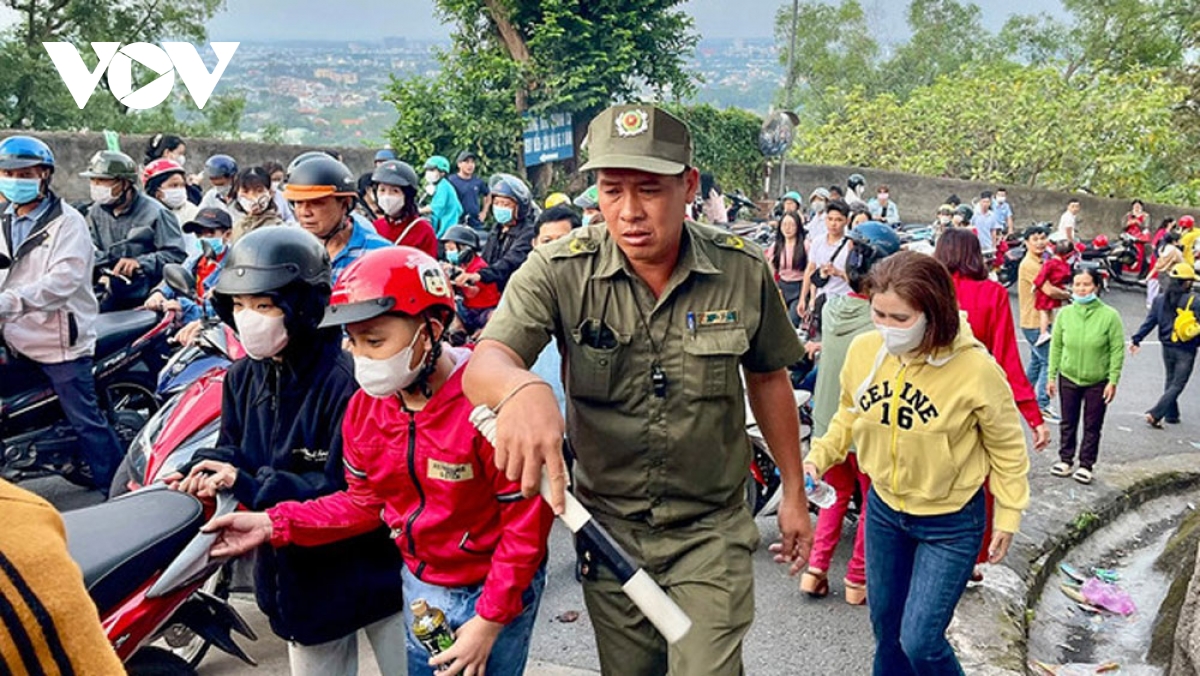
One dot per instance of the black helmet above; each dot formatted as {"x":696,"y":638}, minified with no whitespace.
{"x":319,"y":177}
{"x":507,"y":185}
{"x":271,"y":261}
{"x":462,"y":235}
{"x":220,"y":166}
{"x":965,"y":212}
{"x":112,"y":164}
{"x":873,"y":241}
{"x":395,"y":172}
{"x":304,"y":157}
{"x":855,"y":181}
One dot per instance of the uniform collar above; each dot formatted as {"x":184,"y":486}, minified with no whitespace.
{"x":692,"y":257}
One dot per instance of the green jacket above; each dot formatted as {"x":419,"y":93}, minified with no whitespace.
{"x":1088,"y":344}
{"x":843,"y":319}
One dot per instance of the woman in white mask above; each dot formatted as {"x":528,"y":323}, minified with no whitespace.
{"x":919,"y":404}
{"x":394,"y":184}
{"x":254,"y":207}
{"x":281,"y":440}
{"x":472,"y":545}
{"x":166,"y":181}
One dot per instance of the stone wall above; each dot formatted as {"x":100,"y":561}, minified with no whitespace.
{"x":73,"y":149}
{"x":918,"y":197}
{"x":1186,"y":660}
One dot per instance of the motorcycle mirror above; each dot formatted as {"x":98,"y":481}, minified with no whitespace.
{"x":194,"y":562}
{"x":778,"y":132}
{"x":180,"y":279}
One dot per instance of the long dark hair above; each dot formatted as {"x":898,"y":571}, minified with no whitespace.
{"x":160,"y":143}
{"x":959,"y":251}
{"x":799,"y":255}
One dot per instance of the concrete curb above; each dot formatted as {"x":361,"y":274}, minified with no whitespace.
{"x":990,"y":625}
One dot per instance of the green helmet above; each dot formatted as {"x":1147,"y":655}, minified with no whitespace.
{"x":588,"y":199}
{"x":112,"y":164}
{"x":438,"y":162}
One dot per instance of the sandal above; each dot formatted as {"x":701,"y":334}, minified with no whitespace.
{"x":814,"y":583}
{"x":1061,"y":468}
{"x":856,"y":594}
{"x":1083,"y":475}
{"x":1153,"y":422}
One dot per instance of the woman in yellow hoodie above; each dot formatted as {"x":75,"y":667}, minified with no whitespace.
{"x":931,"y":416}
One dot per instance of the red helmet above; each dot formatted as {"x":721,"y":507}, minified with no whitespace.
{"x":160,"y":167}
{"x":393,"y":279}
{"x":1187,"y":222}
{"x":1100,"y":241}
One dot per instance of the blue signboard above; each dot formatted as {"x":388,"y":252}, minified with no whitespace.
{"x":548,"y":139}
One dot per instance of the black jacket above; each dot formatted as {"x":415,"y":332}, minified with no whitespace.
{"x":1163,"y":317}
{"x":281,"y":426}
{"x":505,"y":251}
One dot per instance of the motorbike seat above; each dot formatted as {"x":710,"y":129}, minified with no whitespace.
{"x":115,"y":330}
{"x":1091,"y":253}
{"x":121,"y":543}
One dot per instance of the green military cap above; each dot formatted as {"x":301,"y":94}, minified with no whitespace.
{"x":641,"y":137}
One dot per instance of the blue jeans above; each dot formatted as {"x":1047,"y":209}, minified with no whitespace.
{"x":1038,"y":366}
{"x":76,"y":389}
{"x":511,"y":650}
{"x":917,"y":569}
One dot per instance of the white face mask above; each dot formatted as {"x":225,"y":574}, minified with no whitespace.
{"x":103,"y":194}
{"x":254,"y":205}
{"x":181,"y":160}
{"x":883,"y":196}
{"x":432,"y":176}
{"x":275,"y":186}
{"x":1001,"y":199}
{"x":383,"y":378}
{"x":223,"y":190}
{"x":819,"y":206}
{"x":902,"y":341}
{"x":944,"y":219}
{"x":262,"y":336}
{"x":174,"y":197}
{"x":391,"y":204}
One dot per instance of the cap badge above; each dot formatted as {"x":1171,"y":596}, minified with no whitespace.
{"x":632,"y":123}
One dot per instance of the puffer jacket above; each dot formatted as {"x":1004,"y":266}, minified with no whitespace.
{"x":431,"y":477}
{"x":108,"y":229}
{"x":505,"y":251}
{"x":281,"y":428}
{"x":47,"y":306}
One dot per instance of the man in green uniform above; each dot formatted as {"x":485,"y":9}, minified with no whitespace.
{"x":656,"y":315}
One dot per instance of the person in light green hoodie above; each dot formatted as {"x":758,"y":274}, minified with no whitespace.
{"x":1087,"y":352}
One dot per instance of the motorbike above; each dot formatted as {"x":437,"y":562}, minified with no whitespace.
{"x":1009,"y":254}
{"x":1095,"y":255}
{"x":919,"y":237}
{"x":145,"y":565}
{"x":762,"y":487}
{"x":37,"y":440}
{"x":1128,"y":261}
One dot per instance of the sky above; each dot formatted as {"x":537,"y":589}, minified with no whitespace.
{"x":374,"y":19}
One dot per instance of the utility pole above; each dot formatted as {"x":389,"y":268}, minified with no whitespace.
{"x":790,"y":86}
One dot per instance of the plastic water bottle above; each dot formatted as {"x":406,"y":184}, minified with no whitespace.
{"x":819,"y":493}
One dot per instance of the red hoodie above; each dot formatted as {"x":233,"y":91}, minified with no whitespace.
{"x":417,"y":233}
{"x":431,"y":477}
{"x":987,"y":306}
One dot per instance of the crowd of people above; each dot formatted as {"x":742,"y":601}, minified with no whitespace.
{"x":378,"y":309}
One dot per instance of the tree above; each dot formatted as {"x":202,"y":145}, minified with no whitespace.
{"x":834,"y":50}
{"x":946,"y":35}
{"x":510,"y":57}
{"x":31,"y":93}
{"x":725,"y":143}
{"x":1114,"y":137}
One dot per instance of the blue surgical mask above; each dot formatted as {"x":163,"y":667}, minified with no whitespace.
{"x":1083,"y":300}
{"x":586,"y":220}
{"x":20,"y":190}
{"x":503,"y":215}
{"x":453,"y":257}
{"x":217,"y":244}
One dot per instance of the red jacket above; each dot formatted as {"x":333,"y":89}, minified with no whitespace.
{"x":419,"y":236}
{"x":431,"y":477}
{"x":487,"y":295}
{"x":990,"y":316}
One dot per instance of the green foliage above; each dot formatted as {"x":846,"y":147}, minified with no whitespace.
{"x":725,"y":143}
{"x":581,"y":55}
{"x":1115,"y":136}
{"x":834,"y":49}
{"x":33,"y":96}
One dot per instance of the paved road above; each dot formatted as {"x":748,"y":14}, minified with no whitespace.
{"x":792,"y":634}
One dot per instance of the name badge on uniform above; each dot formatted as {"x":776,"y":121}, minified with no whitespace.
{"x":718,"y":317}
{"x":446,"y":471}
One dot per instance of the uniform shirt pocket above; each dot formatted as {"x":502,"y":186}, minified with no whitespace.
{"x":592,"y":371}
{"x":711,"y":364}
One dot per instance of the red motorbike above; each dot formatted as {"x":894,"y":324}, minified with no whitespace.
{"x":145,"y":564}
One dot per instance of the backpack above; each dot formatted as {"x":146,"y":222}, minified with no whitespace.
{"x":1187,"y":327}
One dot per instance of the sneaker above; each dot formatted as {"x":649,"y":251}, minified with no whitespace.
{"x":1042,"y":340}
{"x":1051,"y":417}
